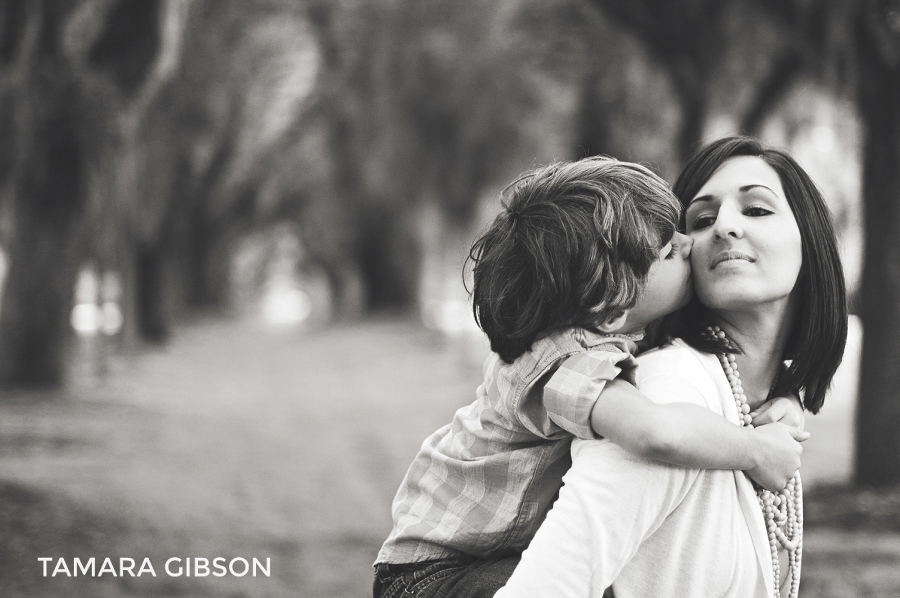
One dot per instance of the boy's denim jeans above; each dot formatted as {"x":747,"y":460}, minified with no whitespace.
{"x":446,"y":578}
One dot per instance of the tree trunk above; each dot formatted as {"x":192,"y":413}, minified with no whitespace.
{"x":36,"y":304}
{"x":692,"y":87}
{"x":152,"y":310}
{"x":48,"y":198}
{"x":878,"y":419}
{"x":207,"y":264}
{"x":593,"y":121}
{"x":771,"y":91}
{"x":388,"y":254}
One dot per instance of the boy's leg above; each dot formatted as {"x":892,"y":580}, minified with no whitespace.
{"x":481,"y":579}
{"x":478,"y":578}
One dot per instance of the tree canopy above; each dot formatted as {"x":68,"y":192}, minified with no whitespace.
{"x":150,"y":136}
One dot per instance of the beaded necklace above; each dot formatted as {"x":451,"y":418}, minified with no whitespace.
{"x":783,"y":511}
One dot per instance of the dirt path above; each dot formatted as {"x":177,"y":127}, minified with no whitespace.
{"x":236,"y":442}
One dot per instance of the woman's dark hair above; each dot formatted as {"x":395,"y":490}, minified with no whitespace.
{"x":816,"y":344}
{"x":572,"y":247}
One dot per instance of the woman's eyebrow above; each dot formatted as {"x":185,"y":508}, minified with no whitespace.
{"x":742,"y":189}
{"x":746,"y":188}
{"x":703,"y":198}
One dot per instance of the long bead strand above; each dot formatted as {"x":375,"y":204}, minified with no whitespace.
{"x":782,"y":511}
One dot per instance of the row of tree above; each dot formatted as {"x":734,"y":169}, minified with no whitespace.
{"x":853,"y":48}
{"x":148,"y":136}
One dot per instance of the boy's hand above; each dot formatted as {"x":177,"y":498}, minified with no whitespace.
{"x":785,"y":410}
{"x":778,"y":455}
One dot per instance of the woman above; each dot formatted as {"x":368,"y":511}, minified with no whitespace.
{"x":769,"y":288}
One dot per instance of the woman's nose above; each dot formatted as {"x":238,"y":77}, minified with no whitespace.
{"x":727,"y":223}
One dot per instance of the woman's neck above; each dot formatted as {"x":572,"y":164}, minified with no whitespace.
{"x":762,"y":336}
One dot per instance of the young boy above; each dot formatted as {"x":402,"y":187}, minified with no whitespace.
{"x":582,"y":258}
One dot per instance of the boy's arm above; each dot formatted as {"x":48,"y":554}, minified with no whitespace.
{"x":689,"y":435}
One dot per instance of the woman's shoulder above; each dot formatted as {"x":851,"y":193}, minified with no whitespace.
{"x":673,"y":357}
{"x":679,"y":369}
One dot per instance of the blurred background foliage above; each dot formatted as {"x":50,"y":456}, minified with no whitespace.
{"x":316,"y":160}
{"x":316,"y":164}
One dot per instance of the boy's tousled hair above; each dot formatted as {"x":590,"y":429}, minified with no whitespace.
{"x":572,"y":247}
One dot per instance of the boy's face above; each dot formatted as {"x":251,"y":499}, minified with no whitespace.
{"x":668,"y":286}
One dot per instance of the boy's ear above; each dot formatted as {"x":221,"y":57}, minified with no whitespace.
{"x":614,"y":323}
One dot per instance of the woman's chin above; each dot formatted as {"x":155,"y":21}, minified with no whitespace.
{"x":740,"y":293}
{"x":730,"y":299}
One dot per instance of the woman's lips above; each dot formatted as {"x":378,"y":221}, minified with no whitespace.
{"x":728,"y":256}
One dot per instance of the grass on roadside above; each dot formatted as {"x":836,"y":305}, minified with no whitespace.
{"x":853,"y":509}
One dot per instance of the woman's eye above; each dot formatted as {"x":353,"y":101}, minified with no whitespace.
{"x":701,"y":222}
{"x":756,"y":211}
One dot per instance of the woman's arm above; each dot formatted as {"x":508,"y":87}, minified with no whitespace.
{"x":786,"y":410}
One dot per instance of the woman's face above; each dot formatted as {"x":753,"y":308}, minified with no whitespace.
{"x":747,"y":248}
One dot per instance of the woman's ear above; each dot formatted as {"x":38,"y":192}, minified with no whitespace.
{"x":614,"y":323}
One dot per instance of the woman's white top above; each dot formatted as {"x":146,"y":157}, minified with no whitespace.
{"x":647,"y":528}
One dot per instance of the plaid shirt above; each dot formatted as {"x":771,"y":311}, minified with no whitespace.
{"x":482,"y":484}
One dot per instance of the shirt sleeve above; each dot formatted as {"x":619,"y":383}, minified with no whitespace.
{"x":560,"y":403}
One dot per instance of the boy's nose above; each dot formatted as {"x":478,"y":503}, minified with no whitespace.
{"x":685,"y":243}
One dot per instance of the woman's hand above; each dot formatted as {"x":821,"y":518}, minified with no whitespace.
{"x":785,"y":410}
{"x":778,"y":455}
